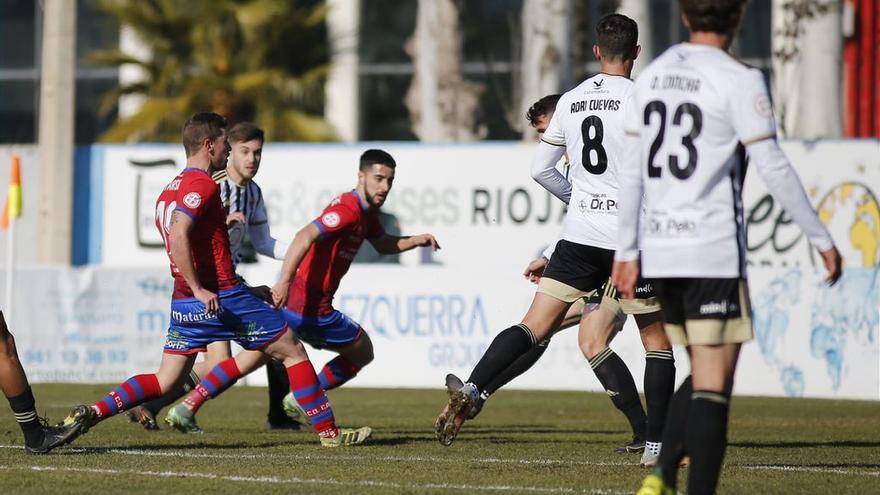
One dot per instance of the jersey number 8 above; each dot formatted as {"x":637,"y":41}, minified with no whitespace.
{"x":594,"y":124}
{"x":687,"y":140}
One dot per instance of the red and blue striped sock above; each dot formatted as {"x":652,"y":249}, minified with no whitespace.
{"x":311,"y":398}
{"x":132,"y":392}
{"x":221,"y":377}
{"x":336,"y":372}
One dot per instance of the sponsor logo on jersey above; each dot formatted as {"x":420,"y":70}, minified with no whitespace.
{"x":597,"y":203}
{"x":330,"y":219}
{"x":192,"y":200}
{"x":173,"y":185}
{"x":663,"y":225}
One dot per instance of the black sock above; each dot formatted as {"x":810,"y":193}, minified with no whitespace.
{"x":659,"y":386}
{"x":619,"y":385}
{"x":674,"y":433}
{"x":506,"y":348}
{"x":279,"y":386}
{"x":156,"y":405}
{"x":706,"y":440}
{"x":518,"y":367}
{"x":24,"y":408}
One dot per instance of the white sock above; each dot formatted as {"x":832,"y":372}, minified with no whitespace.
{"x":653,"y":447}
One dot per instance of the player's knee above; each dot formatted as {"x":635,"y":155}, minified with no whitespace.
{"x":591,"y":346}
{"x":654,"y":337}
{"x":7,"y":346}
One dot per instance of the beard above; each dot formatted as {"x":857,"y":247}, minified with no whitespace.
{"x":371,"y":200}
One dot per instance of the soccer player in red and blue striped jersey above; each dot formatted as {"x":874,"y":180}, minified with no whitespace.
{"x":316,"y":260}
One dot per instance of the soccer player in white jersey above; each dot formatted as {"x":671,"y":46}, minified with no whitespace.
{"x":539,"y":115}
{"x":247,"y":217}
{"x":588,"y":124}
{"x":696,"y":112}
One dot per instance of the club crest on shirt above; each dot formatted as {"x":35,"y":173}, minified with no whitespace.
{"x":192,"y":200}
{"x":330,"y":219}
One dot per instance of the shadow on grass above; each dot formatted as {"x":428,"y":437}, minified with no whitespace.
{"x":797,"y":445}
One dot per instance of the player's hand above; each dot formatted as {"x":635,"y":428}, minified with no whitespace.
{"x":425,"y":240}
{"x":279,"y":294}
{"x":263,"y":292}
{"x":624,"y":275}
{"x":235,"y":217}
{"x":535,"y":270}
{"x":833,"y":265}
{"x":209,"y":299}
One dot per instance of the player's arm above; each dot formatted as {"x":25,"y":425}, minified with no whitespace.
{"x":392,"y":244}
{"x":752,"y":118}
{"x":544,"y":170}
{"x":260,"y":234}
{"x":297,"y":250}
{"x":181,"y":253}
{"x":625,"y":272}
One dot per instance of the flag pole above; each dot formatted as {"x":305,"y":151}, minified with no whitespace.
{"x":10,"y":272}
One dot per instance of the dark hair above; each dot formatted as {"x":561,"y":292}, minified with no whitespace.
{"x":714,"y":16}
{"x":245,"y":131}
{"x":372,"y":157}
{"x":199,"y":128}
{"x":617,"y":37}
{"x":544,"y":106}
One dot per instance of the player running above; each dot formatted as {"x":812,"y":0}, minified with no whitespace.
{"x":587,"y":124}
{"x":39,"y":438}
{"x":243,"y":201}
{"x":319,"y":256}
{"x":539,"y":116}
{"x":209,"y":302}
{"x":696,"y":113}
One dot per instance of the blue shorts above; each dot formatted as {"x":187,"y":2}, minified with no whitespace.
{"x":243,"y":318}
{"x":323,"y":331}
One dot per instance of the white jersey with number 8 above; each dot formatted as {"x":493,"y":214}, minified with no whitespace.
{"x":588,"y":122}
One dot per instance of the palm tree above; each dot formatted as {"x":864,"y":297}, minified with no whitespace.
{"x":258,"y":60}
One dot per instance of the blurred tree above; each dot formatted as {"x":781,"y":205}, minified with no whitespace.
{"x":260,"y":60}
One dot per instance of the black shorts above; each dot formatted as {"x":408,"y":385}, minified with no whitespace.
{"x":582,"y":267}
{"x":579,"y":271}
{"x":705,"y":311}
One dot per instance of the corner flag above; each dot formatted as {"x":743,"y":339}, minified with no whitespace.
{"x":12,"y":210}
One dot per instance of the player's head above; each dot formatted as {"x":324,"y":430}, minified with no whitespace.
{"x":376,"y":176}
{"x":205,"y":133}
{"x":712,"y":16}
{"x":541,"y":111}
{"x":246,"y":140}
{"x":617,"y":39}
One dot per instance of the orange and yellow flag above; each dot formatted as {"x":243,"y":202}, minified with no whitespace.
{"x":12,"y":210}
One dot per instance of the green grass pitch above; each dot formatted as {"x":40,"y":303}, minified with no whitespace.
{"x":523,"y":443}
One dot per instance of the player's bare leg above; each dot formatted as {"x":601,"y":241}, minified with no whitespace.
{"x":594,"y":337}
{"x":39,"y":438}
{"x":543,"y":317}
{"x":659,"y":383}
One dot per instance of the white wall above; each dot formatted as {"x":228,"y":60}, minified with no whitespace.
{"x":429,"y":319}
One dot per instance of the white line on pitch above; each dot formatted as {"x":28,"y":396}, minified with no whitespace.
{"x":809,"y":469}
{"x":486,"y":460}
{"x":327,"y":481}
{"x":312,"y":457}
